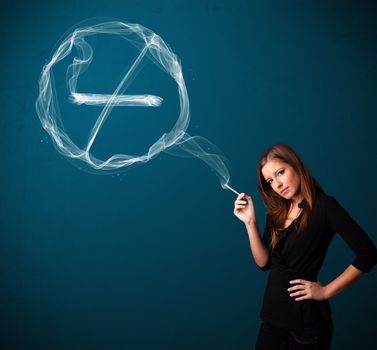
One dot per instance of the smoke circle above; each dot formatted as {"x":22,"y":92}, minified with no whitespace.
{"x":47,"y":105}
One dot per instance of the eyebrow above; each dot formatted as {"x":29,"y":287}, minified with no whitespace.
{"x":274,"y":173}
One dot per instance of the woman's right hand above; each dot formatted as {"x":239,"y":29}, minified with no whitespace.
{"x":244,"y":210}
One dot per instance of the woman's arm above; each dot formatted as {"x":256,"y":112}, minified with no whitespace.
{"x":258,"y":249}
{"x":304,"y":289}
{"x":350,"y":275}
{"x":353,"y":234}
{"x":246,"y":213}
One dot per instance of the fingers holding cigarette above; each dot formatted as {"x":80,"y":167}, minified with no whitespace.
{"x":241,"y":201}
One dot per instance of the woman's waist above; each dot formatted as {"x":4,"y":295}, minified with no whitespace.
{"x":284,"y":272}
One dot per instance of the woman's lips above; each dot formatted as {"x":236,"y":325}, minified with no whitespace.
{"x":284,"y":191}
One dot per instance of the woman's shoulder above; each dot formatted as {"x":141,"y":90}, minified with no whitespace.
{"x":325,"y":201}
{"x":321,"y":197}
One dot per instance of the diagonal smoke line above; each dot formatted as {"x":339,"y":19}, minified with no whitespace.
{"x":109,"y":105}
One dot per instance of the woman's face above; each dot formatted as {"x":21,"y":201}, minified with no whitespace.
{"x":282,"y":178}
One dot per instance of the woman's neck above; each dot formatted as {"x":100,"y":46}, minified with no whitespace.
{"x":296,"y":200}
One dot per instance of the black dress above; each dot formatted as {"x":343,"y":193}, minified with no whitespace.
{"x":301,"y":255}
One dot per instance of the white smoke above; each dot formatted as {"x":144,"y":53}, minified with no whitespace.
{"x":177,"y":142}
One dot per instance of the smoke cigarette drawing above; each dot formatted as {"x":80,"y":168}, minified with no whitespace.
{"x":176,"y":142}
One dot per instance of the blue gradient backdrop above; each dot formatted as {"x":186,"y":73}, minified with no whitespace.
{"x":154,"y":258}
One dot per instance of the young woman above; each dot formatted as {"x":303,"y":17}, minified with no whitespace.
{"x":301,"y":222}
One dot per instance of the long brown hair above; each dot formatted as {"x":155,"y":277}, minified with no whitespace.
{"x":277,"y":206}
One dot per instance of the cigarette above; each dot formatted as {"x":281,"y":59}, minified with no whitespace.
{"x":226,"y":185}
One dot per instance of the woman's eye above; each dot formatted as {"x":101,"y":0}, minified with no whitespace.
{"x":279,"y":173}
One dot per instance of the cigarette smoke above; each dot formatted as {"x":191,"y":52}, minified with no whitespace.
{"x":176,"y":142}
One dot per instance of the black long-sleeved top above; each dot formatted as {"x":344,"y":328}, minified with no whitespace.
{"x":301,"y":255}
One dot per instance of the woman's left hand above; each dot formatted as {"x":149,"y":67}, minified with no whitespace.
{"x":307,"y":290}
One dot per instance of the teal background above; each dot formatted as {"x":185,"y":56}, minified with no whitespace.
{"x":154,"y":257}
